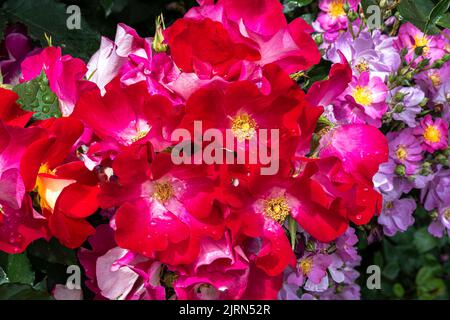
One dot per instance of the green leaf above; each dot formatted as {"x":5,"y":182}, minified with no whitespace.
{"x":398,"y":290}
{"x":366,"y":3}
{"x":19,"y":269}
{"x":444,"y":21}
{"x":52,"y":252}
{"x":302,"y":3}
{"x":391,"y":270}
{"x":426,"y":273}
{"x":14,"y":291}
{"x":292,"y":231}
{"x":438,"y":11}
{"x":3,"y":21}
{"x":50,"y":17}
{"x":111,"y":6}
{"x":424,"y":241}
{"x":36,"y":96}
{"x":3,"y":276}
{"x":417,"y":12}
{"x":432,"y":289}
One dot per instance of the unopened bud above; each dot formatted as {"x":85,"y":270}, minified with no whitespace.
{"x":423,"y":63}
{"x":158,"y":41}
{"x":399,"y":96}
{"x":352,"y":16}
{"x":424,"y":102}
{"x":438,"y":64}
{"x":418,"y":51}
{"x":346,"y":7}
{"x":400,"y":170}
{"x":318,"y":38}
{"x":404,"y":52}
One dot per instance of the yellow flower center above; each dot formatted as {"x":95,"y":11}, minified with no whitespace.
{"x":139,"y":135}
{"x":306,"y":265}
{"x":336,"y":8}
{"x":362,"y":66}
{"x":277,"y":209}
{"x":432,"y":134}
{"x":435,"y":79}
{"x":422,"y":42}
{"x":447,"y":214}
{"x":362,"y":96}
{"x":389,"y":205}
{"x":243,"y":127}
{"x":401,"y":153}
{"x":163,"y":191}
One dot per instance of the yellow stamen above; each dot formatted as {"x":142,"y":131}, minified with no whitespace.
{"x":435,"y":79}
{"x":163,"y":191}
{"x":362,"y":96}
{"x":389,"y":205}
{"x":362,"y":66}
{"x":336,"y":8}
{"x":401,"y":152}
{"x":432,"y":134}
{"x":140,"y":135}
{"x":277,"y":209}
{"x":306,"y":265}
{"x":447,"y":214}
{"x":243,"y":127}
{"x":422,"y":42}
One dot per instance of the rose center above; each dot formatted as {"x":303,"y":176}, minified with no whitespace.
{"x":243,"y":127}
{"x":336,"y":8}
{"x":401,"y":153}
{"x":306,"y":265}
{"x":362,"y":96}
{"x":277,"y":209}
{"x":432,"y":134}
{"x":163,"y":191}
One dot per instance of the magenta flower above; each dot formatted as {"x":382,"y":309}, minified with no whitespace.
{"x":13,"y":50}
{"x":333,"y":18}
{"x":397,"y":216}
{"x":410,"y":37}
{"x":433,"y":133}
{"x":64,"y":73}
{"x":372,"y":52}
{"x":364,"y":101}
{"x":437,"y":192}
{"x":441,"y":223}
{"x":405,"y":149}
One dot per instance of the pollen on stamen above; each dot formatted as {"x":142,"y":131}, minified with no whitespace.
{"x":306,"y":265}
{"x":401,"y":152}
{"x":362,"y":96}
{"x":243,"y":127}
{"x":163,"y":191}
{"x":336,"y":8}
{"x":277,"y":209}
{"x":362,"y":66}
{"x":432,"y":134}
{"x":139,"y":135}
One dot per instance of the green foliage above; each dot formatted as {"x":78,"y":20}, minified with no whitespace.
{"x":14,"y":291}
{"x":425,"y":14}
{"x":52,"y":252}
{"x":36,"y":96}
{"x":17,"y":268}
{"x":50,"y":17}
{"x":414,"y":264}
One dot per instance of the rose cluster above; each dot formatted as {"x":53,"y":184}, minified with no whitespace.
{"x":86,"y":151}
